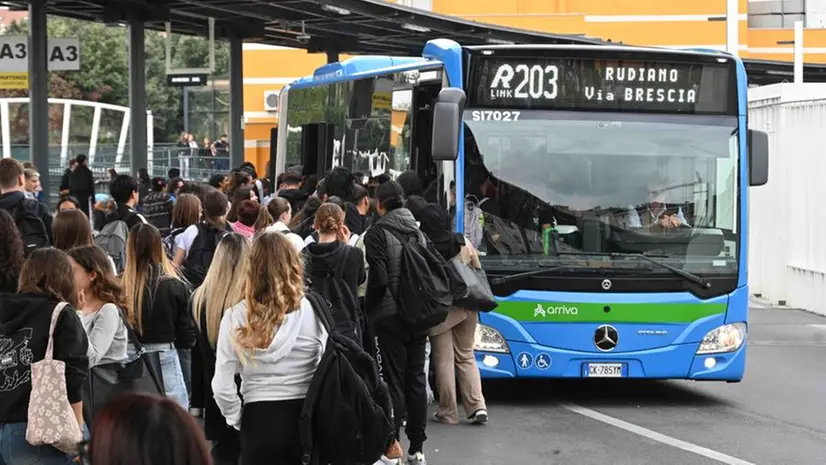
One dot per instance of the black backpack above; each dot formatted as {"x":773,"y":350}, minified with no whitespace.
{"x":32,"y":229}
{"x":199,"y":257}
{"x":425,"y":291}
{"x":328,"y":281}
{"x":347,"y":416}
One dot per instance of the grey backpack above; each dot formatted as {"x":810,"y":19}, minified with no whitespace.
{"x":112,"y":239}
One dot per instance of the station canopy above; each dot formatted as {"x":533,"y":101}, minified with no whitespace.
{"x":341,"y":26}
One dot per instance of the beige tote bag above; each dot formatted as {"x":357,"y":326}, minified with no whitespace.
{"x":52,"y":421}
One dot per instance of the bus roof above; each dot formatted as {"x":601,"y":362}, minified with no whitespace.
{"x":613,"y":48}
{"x":361,"y":67}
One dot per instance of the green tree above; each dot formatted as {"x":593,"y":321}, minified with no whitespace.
{"x":104,"y":73}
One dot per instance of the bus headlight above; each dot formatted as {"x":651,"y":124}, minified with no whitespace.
{"x":726,"y":338}
{"x":490,"y":340}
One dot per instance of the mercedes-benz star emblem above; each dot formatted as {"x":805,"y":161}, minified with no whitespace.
{"x":606,"y":284}
{"x":606,"y":338}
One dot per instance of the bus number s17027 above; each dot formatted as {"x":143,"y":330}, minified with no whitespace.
{"x":495,"y":115}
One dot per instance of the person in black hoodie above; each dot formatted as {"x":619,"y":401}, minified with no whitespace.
{"x":11,"y":254}
{"x":223,"y":288}
{"x":82,"y":184}
{"x":124,"y":191}
{"x":336,"y":270}
{"x":46,"y":280}
{"x":12,"y":195}
{"x":290,"y":189}
{"x":64,"y":180}
{"x":401,"y":352}
{"x":341,"y":183}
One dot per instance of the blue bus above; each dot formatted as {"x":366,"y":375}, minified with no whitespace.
{"x":605,"y":187}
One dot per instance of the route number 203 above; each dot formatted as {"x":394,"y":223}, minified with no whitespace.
{"x":495,"y":115}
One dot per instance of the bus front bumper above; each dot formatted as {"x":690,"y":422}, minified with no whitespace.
{"x":671,"y":362}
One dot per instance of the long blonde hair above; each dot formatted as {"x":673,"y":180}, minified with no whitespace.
{"x":224,"y":284}
{"x":274,"y":288}
{"x":144,"y":251}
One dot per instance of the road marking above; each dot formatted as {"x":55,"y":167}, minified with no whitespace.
{"x":655,"y":436}
{"x":817,"y":326}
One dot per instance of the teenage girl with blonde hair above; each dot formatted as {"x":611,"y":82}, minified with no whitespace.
{"x":272,"y":339}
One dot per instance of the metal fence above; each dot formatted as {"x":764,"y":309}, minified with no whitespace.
{"x":195,"y":164}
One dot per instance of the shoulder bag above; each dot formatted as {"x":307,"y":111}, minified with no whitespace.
{"x":109,"y":380}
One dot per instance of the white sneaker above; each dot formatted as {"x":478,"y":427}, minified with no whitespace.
{"x":479,"y":417}
{"x":416,"y":459}
{"x":385,"y":461}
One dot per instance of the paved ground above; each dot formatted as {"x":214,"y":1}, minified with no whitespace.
{"x":777,"y":415}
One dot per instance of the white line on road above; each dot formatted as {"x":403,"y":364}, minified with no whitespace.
{"x":817,"y":326}
{"x":653,"y":435}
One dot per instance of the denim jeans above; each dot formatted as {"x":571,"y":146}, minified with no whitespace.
{"x":185,"y":356}
{"x":14,"y":450}
{"x":173,"y":377}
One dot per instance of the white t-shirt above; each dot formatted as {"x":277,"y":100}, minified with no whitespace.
{"x":184,"y":240}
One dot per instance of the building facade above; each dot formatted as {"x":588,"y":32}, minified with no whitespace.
{"x":765,"y":32}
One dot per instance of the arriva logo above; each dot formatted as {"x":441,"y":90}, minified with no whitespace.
{"x":544,"y":312}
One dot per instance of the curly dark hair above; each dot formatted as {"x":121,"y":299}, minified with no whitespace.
{"x":11,"y":249}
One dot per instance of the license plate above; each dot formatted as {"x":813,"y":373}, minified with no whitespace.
{"x":605,"y":370}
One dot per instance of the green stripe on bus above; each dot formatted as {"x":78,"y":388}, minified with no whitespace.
{"x":578,"y":312}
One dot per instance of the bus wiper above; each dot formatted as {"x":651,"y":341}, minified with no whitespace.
{"x":690,"y":277}
{"x":543,"y":268}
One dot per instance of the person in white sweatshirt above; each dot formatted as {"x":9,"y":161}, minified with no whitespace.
{"x":281,"y":212}
{"x":274,"y":341}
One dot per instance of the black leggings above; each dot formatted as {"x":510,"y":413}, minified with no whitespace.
{"x":270,"y":433}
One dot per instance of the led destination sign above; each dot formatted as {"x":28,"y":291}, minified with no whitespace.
{"x":603,"y":84}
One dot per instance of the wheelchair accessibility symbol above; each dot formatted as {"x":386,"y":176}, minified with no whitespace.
{"x":543,"y":361}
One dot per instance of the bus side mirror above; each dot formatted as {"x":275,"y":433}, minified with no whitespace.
{"x":447,"y":124}
{"x":758,"y":142}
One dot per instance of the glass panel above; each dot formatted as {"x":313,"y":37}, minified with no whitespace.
{"x":605,"y":183}
{"x":19,"y":125}
{"x":80,"y":129}
{"x":111,"y":122}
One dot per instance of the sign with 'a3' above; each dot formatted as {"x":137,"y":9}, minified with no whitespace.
{"x":62,"y":54}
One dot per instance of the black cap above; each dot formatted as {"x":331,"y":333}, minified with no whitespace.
{"x":389,"y":190}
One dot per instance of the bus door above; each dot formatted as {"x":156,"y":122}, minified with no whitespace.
{"x":424,"y":98}
{"x":316,"y":148}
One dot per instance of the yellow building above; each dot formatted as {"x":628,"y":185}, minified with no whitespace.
{"x":765,"y":32}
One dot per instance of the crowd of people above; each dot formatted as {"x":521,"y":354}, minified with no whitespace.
{"x":212,"y":288}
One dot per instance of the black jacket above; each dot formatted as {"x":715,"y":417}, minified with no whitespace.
{"x":353,"y":219}
{"x":81,"y":182}
{"x":166,"y":316}
{"x":64,"y":180}
{"x":24,"y":333}
{"x":330,"y":254}
{"x":12,"y":199}
{"x":435,"y":223}
{"x":384,"y":257}
{"x":295,"y":197}
{"x":125,"y":213}
{"x":157,"y":209}
{"x":215,"y":425}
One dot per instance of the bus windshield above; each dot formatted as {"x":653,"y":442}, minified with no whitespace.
{"x":561,"y":185}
